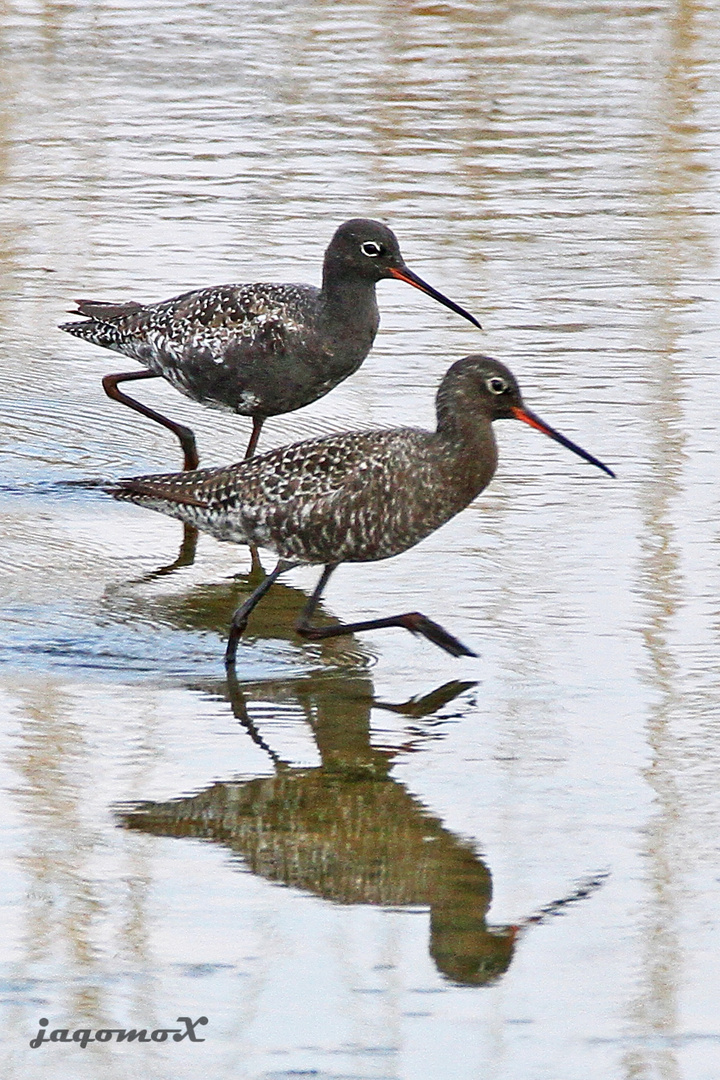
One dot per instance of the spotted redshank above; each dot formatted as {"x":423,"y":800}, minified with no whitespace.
{"x":258,"y":350}
{"x":354,"y":497}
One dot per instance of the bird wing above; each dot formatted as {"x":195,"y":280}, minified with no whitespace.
{"x":203,"y":323}
{"x":314,"y":469}
{"x":330,"y":499}
{"x":218,"y":314}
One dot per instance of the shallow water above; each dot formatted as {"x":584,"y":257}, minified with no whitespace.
{"x":368,"y":859}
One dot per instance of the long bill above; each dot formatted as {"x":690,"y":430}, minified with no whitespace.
{"x":412,"y":279}
{"x":534,"y":421}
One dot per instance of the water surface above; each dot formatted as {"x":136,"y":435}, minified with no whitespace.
{"x":368,"y":859}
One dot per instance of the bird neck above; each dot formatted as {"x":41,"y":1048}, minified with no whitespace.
{"x":347,"y":292}
{"x":467,"y":439}
{"x":349,"y":312}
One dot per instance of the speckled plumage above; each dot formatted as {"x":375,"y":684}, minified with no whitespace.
{"x":262,"y":349}
{"x":356,"y":497}
{"x":230,"y":346}
{"x":342,"y":498}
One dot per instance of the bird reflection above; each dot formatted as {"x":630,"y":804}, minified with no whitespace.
{"x":205,"y":607}
{"x":185,"y":557}
{"x":188,"y":551}
{"x":348,"y":831}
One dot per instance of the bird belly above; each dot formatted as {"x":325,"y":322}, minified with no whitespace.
{"x":253,"y":380}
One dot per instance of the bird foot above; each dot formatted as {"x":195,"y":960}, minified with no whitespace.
{"x":417,"y":623}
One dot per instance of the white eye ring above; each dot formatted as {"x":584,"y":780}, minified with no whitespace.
{"x":496,"y":384}
{"x":371,"y":249}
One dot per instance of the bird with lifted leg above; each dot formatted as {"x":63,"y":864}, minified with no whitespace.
{"x":262,"y":349}
{"x":354,"y":497}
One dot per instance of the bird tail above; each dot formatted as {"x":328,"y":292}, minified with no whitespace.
{"x":142,"y":490}
{"x":101,"y":322}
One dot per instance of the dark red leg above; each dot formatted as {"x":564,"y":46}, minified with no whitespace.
{"x":258,"y":422}
{"x":240,"y":618}
{"x":413,"y":621}
{"x":184,"y":434}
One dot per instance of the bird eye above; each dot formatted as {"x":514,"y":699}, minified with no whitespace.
{"x":372,"y":249}
{"x":496,"y":385}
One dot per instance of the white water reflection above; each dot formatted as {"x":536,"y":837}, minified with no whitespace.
{"x":554,"y":168}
